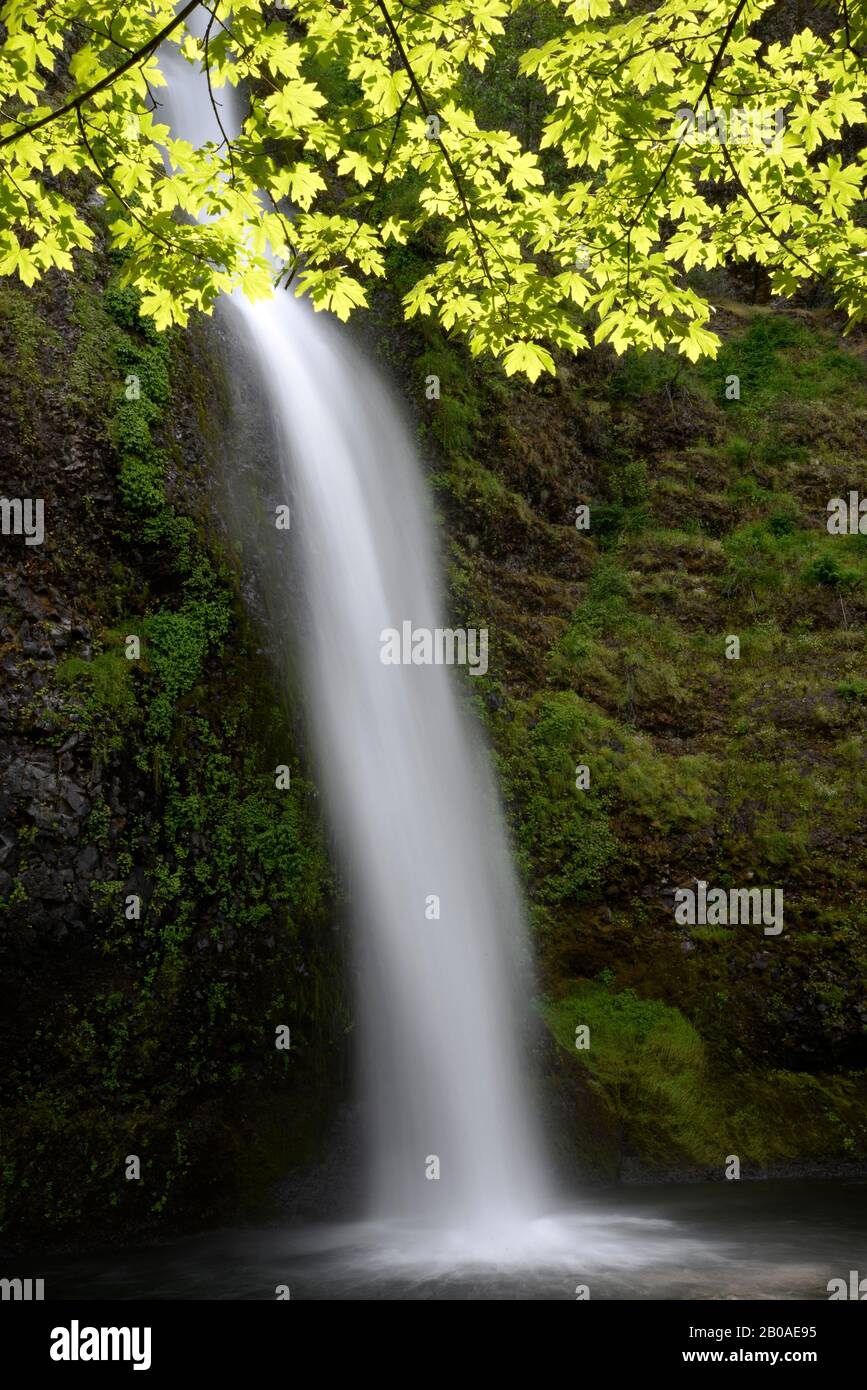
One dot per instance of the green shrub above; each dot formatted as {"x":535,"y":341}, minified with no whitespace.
{"x":853,"y":688}
{"x":638,"y":374}
{"x":631,"y":483}
{"x":825,"y":569}
{"x":123,"y":302}
{"x":141,"y":486}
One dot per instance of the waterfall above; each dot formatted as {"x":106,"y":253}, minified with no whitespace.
{"x":442,"y":998}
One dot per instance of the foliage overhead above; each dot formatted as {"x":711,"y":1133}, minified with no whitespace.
{"x":674,"y":137}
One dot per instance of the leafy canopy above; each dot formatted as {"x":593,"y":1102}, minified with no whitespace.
{"x":658,"y":150}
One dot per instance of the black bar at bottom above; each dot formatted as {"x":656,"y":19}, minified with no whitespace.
{"x":163,"y":1339}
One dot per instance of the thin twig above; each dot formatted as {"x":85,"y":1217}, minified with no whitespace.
{"x":709,"y":81}
{"x":382,"y":174}
{"x":420,"y":98}
{"x":207,"y":66}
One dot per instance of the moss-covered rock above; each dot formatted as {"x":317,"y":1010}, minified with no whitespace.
{"x":167,"y":904}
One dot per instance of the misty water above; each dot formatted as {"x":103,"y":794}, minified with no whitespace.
{"x":409,"y":798}
{"x":728,"y":1240}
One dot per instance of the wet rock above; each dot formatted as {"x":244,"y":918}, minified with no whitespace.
{"x":49,"y":885}
{"x":75,"y":798}
{"x":42,"y":816}
{"x":86,"y":862}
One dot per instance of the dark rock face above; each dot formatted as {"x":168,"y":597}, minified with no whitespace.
{"x":161,"y":910}
{"x":53,"y":445}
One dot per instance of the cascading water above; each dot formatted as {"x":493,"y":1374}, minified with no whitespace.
{"x":412,"y":802}
{"x":415,"y":814}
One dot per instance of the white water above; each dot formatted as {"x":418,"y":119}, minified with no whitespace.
{"x":411,"y":801}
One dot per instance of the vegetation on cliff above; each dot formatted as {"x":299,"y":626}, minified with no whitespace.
{"x":708,"y":518}
{"x":166,"y":905}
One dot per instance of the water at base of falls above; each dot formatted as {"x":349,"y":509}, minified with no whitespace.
{"x":726,"y":1240}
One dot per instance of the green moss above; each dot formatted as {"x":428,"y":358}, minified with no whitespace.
{"x":90,"y":373}
{"x":603,"y":612}
{"x":675,"y":1108}
{"x":712,"y":522}
{"x":853,"y":689}
{"x":474,"y":485}
{"x":565,"y":837}
{"x":778,"y":357}
{"x":109,"y":702}
{"x":652,"y":1063}
{"x":29,"y":362}
{"x":638,"y":374}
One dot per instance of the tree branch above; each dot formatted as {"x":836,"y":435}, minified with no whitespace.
{"x":214,"y":105}
{"x":109,"y":183}
{"x":709,"y":81}
{"x":77,"y":102}
{"x":760,"y":216}
{"x":384,"y":170}
{"x":420,"y":98}
{"x":857,"y":52}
